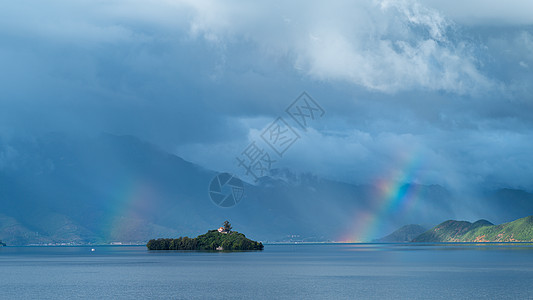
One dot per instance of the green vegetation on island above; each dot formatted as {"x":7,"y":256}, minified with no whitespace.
{"x":2,"y":244}
{"x":222,"y":239}
{"x":482,"y":231}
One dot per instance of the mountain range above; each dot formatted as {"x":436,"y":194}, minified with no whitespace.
{"x":57,"y":189}
{"x":520,"y":230}
{"x":403,"y":235}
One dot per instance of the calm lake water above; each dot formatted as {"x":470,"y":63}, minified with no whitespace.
{"x":334,"y":271}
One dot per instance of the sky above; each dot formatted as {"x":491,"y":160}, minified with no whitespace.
{"x":442,"y":88}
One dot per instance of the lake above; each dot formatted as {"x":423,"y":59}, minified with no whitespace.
{"x":302,"y":271}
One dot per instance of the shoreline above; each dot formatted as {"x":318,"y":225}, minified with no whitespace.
{"x":299,"y":243}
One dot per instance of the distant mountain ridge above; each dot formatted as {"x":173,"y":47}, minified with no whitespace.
{"x":62,"y":189}
{"x":403,"y":235}
{"x":520,"y":230}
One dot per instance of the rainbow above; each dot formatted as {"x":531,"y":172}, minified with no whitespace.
{"x":134,"y":198}
{"x":394,"y":195}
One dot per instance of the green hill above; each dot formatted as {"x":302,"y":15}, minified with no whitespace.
{"x":520,"y":230}
{"x":212,"y":240}
{"x":405,"y":234}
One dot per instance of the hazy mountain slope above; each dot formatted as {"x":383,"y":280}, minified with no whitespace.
{"x":520,"y":230}
{"x":404,"y":234}
{"x":110,"y":188}
{"x":57,"y":189}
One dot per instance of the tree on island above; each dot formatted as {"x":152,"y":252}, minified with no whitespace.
{"x":212,"y":240}
{"x":227,"y":226}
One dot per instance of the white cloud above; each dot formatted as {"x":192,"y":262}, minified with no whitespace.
{"x":459,"y":161}
{"x":383,"y":45}
{"x":486,"y":12}
{"x":387,"y":46}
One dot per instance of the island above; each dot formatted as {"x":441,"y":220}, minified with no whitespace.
{"x":2,"y":244}
{"x":222,"y":239}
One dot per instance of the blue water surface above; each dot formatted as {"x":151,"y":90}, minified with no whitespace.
{"x":303,"y":271}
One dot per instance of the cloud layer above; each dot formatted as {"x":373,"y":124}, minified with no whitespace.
{"x":386,"y":46}
{"x":405,"y":84}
